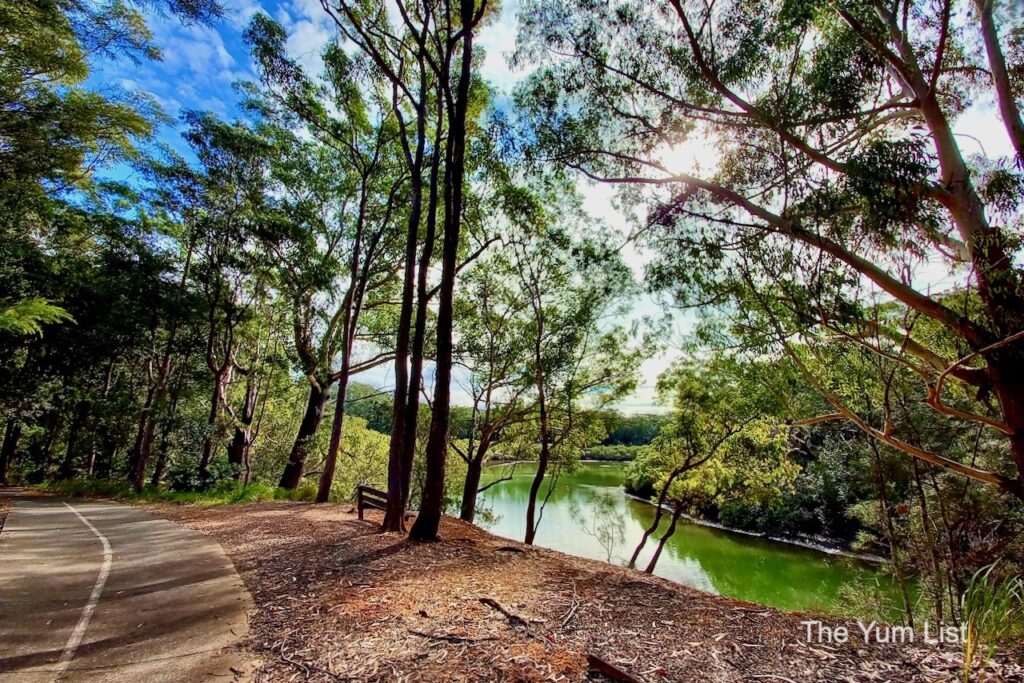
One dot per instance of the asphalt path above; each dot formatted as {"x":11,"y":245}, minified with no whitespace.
{"x":97,"y":591}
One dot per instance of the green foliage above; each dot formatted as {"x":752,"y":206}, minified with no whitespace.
{"x":227,"y":493}
{"x":237,"y":263}
{"x":185,"y":477}
{"x":817,"y":504}
{"x":642,"y":474}
{"x":722,"y":443}
{"x":617,"y":453}
{"x":817,"y":196}
{"x":56,"y":132}
{"x":363,"y":459}
{"x":632,"y":430}
{"x":28,"y":316}
{"x":370,"y":404}
{"x":993,"y":610}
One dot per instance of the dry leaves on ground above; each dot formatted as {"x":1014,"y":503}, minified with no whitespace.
{"x":339,"y":601}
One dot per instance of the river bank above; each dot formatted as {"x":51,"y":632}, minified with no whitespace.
{"x":820,"y":544}
{"x":336,"y":600}
{"x":590,"y":515}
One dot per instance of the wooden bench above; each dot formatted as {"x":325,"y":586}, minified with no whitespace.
{"x":368,"y":497}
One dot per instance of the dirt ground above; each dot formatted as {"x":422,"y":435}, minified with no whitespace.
{"x":336,"y":600}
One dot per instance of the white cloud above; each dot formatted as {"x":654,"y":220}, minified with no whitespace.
{"x":309,"y":30}
{"x":238,"y":12}
{"x":498,"y":40}
{"x":979,"y":130}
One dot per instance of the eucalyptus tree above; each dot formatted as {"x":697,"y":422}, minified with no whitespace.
{"x":350,"y":187}
{"x":229,"y":196}
{"x":426,"y":54}
{"x":401,"y":55}
{"x":839,"y":164}
{"x":458,"y":38}
{"x":56,"y":130}
{"x":579,"y":357}
{"x":726,"y":440}
{"x":490,"y":327}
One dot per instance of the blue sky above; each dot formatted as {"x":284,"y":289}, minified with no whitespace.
{"x":201,"y":64}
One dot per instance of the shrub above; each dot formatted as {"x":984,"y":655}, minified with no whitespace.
{"x":617,"y":453}
{"x":186,"y":478}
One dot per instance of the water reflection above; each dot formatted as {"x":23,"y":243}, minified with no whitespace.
{"x":589,"y":515}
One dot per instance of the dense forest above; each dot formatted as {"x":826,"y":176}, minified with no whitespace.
{"x":207,"y":317}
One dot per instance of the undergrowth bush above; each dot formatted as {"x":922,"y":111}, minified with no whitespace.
{"x":226,"y":492}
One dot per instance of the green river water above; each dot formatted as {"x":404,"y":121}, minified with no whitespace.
{"x":589,"y":515}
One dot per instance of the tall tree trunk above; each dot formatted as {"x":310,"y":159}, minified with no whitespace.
{"x":394,"y":516}
{"x":412,"y":400}
{"x":304,"y":439}
{"x":432,"y":505}
{"x":1008,"y":109}
{"x":145,"y":430}
{"x":12,"y":434}
{"x":412,"y":405}
{"x":238,"y":450}
{"x":323,"y":494}
{"x":350,"y":320}
{"x":542,"y":463}
{"x":67,"y":468}
{"x":220,"y":379}
{"x":163,"y":450}
{"x":141,"y":450}
{"x":138,"y":459}
{"x":405,"y":411}
{"x":545,"y":428}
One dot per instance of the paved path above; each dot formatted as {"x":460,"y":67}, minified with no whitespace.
{"x":96,"y":591}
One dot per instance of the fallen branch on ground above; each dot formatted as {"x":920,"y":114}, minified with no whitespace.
{"x":514,"y":618}
{"x":595,"y":663}
{"x":450,"y":637}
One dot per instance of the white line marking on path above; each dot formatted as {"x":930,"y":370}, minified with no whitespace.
{"x":83,"y":621}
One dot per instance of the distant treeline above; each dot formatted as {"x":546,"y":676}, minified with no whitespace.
{"x":625,"y":432}
{"x":617,"y":453}
{"x":632,"y":430}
